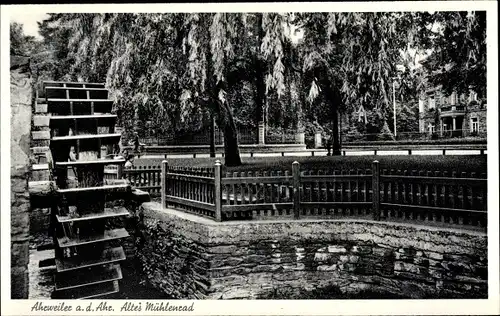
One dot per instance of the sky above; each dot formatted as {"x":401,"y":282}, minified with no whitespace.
{"x":29,"y":20}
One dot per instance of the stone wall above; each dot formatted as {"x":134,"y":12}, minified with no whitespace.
{"x":20,"y":100}
{"x":191,"y":257}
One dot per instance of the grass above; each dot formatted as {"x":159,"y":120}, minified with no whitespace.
{"x":465,"y":163}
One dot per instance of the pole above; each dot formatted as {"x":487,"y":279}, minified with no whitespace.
{"x":164,"y":193}
{"x":394,"y":105}
{"x":296,"y":189}
{"x":218,"y":191}
{"x":376,"y":190}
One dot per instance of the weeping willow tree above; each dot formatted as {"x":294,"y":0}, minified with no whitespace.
{"x":350,"y":58}
{"x":458,"y":61}
{"x":225,"y":49}
{"x":175,"y":68}
{"x":178,"y":69}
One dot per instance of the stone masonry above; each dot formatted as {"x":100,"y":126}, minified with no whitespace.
{"x":190,"y":257}
{"x":21,"y":101}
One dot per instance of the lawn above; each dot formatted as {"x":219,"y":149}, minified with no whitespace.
{"x":462,"y":163}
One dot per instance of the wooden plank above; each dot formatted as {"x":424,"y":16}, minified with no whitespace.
{"x":191,"y":203}
{"x":180,"y":177}
{"x":147,"y":187}
{"x":431,"y":208}
{"x":85,"y":116}
{"x":261,"y":180}
{"x":105,"y":291}
{"x":337,"y":178}
{"x":79,"y":137}
{"x":164,"y":184}
{"x":218,"y":191}
{"x":76,"y":89}
{"x":89,"y":291}
{"x":433,"y":180}
{"x":40,"y":167}
{"x":107,"y":236}
{"x":47,"y":83}
{"x":90,"y":162}
{"x":110,"y":255}
{"x":108,"y":212}
{"x":296,"y":189}
{"x":260,"y":206}
{"x":108,"y":188}
{"x":40,"y":135}
{"x":41,"y":120}
{"x":376,"y":190}
{"x":71,"y":280}
{"x":335,"y":204}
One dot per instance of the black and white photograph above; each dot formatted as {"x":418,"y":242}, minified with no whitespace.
{"x":166,"y":156}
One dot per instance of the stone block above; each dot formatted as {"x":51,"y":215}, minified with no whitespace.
{"x":19,"y":225}
{"x":382,"y":252}
{"x":41,"y":120}
{"x":322,"y":257}
{"x":361,"y":249}
{"x":19,"y":254}
{"x":435,"y":255}
{"x":265,"y":268}
{"x":18,"y":185}
{"x":40,"y":135}
{"x":19,"y":283}
{"x":41,"y":108}
{"x":332,"y":267}
{"x":336,"y":249}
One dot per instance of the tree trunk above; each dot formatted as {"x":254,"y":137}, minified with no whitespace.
{"x":231,"y":148}
{"x":334,"y":100}
{"x":260,"y":95}
{"x":212,"y":135}
{"x":335,"y":132}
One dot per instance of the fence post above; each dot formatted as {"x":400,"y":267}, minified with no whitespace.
{"x":218,"y":191}
{"x":164,"y":170}
{"x":376,"y":190}
{"x":296,"y":189}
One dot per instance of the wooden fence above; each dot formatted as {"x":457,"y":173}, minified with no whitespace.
{"x":431,"y":197}
{"x":146,"y":178}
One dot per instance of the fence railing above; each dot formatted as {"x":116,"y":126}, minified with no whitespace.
{"x":430,"y":197}
{"x":147,"y":178}
{"x":402,"y":136}
{"x":245,"y":136}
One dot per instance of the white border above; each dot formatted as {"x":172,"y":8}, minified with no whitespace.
{"x":259,"y":307}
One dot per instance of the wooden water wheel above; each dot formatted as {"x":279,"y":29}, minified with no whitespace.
{"x":86,"y":253}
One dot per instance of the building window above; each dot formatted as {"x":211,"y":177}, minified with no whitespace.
{"x":432,"y":102}
{"x":431,"y":128}
{"x":474,"y":125}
